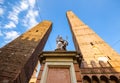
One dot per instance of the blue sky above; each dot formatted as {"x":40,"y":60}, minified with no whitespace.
{"x":103,"y":16}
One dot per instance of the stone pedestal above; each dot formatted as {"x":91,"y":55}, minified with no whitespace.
{"x":59,"y":67}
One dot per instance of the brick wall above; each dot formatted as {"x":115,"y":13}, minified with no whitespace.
{"x":19,"y":58}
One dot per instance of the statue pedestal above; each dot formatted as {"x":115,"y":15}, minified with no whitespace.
{"x":59,"y":66}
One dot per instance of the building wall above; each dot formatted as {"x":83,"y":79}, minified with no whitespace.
{"x":98,"y":56}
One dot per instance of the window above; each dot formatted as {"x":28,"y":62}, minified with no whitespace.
{"x":37,"y":30}
{"x":91,"y":44}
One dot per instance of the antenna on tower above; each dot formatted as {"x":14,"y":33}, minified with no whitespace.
{"x":116,"y":43}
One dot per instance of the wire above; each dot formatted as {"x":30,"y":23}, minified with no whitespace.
{"x":115,"y":43}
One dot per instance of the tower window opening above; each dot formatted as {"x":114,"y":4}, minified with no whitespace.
{"x":91,"y":43}
{"x":37,"y":30}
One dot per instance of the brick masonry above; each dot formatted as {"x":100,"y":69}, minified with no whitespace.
{"x":98,"y":57}
{"x":78,"y":73}
{"x":40,"y":73}
{"x":58,"y":75}
{"x":19,"y":58}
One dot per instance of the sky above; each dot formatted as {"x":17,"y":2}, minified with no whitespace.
{"x":17,"y":16}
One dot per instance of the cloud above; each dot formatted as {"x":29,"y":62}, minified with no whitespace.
{"x":24,"y":5}
{"x":1,"y":11}
{"x":14,"y":14}
{"x":32,"y":3}
{"x":10,"y":25}
{"x":30,"y":18}
{"x":11,"y":35}
{"x":1,"y":1}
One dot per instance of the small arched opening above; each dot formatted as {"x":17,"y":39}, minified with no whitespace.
{"x":104,"y":79}
{"x":86,"y":79}
{"x":95,"y":79}
{"x":114,"y":79}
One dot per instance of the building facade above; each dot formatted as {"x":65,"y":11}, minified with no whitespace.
{"x":94,"y":61}
{"x":100,"y":63}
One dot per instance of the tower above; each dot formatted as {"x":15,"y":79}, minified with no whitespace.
{"x":100,"y":63}
{"x":19,"y":58}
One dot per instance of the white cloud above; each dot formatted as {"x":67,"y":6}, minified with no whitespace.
{"x":1,"y":1}
{"x":32,"y":3}
{"x":30,"y":18}
{"x":24,"y":5}
{"x":14,"y":16}
{"x":10,"y":25}
{"x":11,"y":35}
{"x":1,"y":11}
{"x":17,"y":9}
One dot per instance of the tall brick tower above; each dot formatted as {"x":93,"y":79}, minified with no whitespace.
{"x":19,"y":58}
{"x":100,"y":63}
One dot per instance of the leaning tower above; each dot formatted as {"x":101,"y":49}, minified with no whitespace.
{"x":100,"y":63}
{"x":19,"y":58}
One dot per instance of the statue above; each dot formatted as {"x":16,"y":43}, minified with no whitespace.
{"x":61,"y":44}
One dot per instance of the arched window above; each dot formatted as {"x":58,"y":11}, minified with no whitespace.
{"x":95,"y":79}
{"x":104,"y":79}
{"x":114,"y":79}
{"x":86,"y":79}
